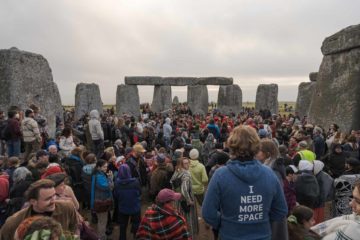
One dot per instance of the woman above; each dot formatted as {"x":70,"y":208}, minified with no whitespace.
{"x":208,"y":146}
{"x":66,"y":142}
{"x":244,"y":199}
{"x":101,"y":196}
{"x":90,"y":162}
{"x":181,"y":182}
{"x":128,"y":196}
{"x":269,"y":155}
{"x":299,"y":224}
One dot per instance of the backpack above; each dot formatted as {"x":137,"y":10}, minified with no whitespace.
{"x":5,"y":133}
{"x":307,"y":190}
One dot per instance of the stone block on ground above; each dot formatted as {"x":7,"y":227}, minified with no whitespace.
{"x":161,"y":98}
{"x":230,"y":99}
{"x":127,"y":100}
{"x":303,"y":101}
{"x":267,"y":98}
{"x":87,"y":98}
{"x":198,"y":99}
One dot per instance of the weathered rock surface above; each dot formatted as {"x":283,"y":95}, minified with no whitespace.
{"x":267,"y":98}
{"x":344,"y":40}
{"x":87,"y":98}
{"x":175,"y":100}
{"x":198,"y":99}
{"x":303,"y":101}
{"x":230,"y":99}
{"x":26,"y":78}
{"x":337,"y":92}
{"x":313,"y":76}
{"x":178,"y":81}
{"x":161,"y":98}
{"x":127,"y":100}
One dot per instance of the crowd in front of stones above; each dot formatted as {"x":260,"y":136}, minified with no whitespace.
{"x":248,"y":175}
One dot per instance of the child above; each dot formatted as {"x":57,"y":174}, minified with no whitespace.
{"x":300,"y":222}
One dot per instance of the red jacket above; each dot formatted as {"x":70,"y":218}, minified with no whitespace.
{"x":162,"y":223}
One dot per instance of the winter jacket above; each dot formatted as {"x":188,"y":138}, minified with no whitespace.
{"x":214,"y":129}
{"x":101,"y":188}
{"x":160,"y":179}
{"x":14,"y":127}
{"x":95,"y":128}
{"x":128,"y":195}
{"x":243,"y":200}
{"x":30,"y":130}
{"x":199,"y":177}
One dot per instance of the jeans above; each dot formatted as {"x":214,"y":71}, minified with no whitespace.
{"x":13,"y":147}
{"x":124,"y":220}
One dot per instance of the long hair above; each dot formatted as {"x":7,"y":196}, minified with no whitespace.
{"x":296,"y":227}
{"x":243,"y":142}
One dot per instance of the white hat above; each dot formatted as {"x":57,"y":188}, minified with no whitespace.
{"x":194,"y":154}
{"x":305,"y":165}
{"x":294,"y":168}
{"x":318,"y":166}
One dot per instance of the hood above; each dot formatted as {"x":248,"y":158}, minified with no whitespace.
{"x":247,"y":171}
{"x":168,"y":120}
{"x":210,"y":138}
{"x":305,"y":165}
{"x":94,"y":114}
{"x":194,"y":163}
{"x":318,"y":166}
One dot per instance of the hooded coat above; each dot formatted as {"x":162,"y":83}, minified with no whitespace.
{"x":96,"y":130}
{"x":243,"y":199}
{"x":335,"y":162}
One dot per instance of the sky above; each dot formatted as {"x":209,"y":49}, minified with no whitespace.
{"x":253,"y":41}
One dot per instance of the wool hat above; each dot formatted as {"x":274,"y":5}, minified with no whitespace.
{"x":194,"y":154}
{"x":160,"y":158}
{"x":52,"y":169}
{"x":167,"y":195}
{"x":303,"y":144}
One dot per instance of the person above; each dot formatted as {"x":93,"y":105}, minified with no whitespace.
{"x":167,"y":130}
{"x":352,"y":166}
{"x":38,"y":164}
{"x":303,"y":154}
{"x":66,"y":142}
{"x":335,"y":161}
{"x":300,"y":222}
{"x":207,"y":148}
{"x":244,"y":199}
{"x":101,"y":190}
{"x":289,"y":187}
{"x":162,"y":221}
{"x":41,"y":198}
{"x":4,"y":194}
{"x":128,"y":197}
{"x":220,"y":159}
{"x":199,"y":178}
{"x":269,"y":155}
{"x":31,"y":134}
{"x":14,"y":142}
{"x":88,"y":168}
{"x":73,"y":165}
{"x":181,"y":183}
{"x":137,"y":164}
{"x":160,"y":177}
{"x":96,"y":132}
{"x":343,"y":227}
{"x":214,"y":129}
{"x":319,"y":142}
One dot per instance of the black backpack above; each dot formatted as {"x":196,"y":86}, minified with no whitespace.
{"x":5,"y":133}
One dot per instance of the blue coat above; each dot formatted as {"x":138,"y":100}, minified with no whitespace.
{"x":102,"y":189}
{"x":243,"y":199}
{"x":128,"y":195}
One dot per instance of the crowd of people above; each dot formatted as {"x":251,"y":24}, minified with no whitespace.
{"x":248,"y":175}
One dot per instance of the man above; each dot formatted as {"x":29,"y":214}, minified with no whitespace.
{"x":162,"y":221}
{"x":244,"y":199}
{"x":137,"y":164}
{"x":97,"y":133}
{"x":36,"y":165}
{"x":41,"y":197}
{"x":303,"y":154}
{"x":160,"y":177}
{"x":167,"y":130}
{"x":318,"y":142}
{"x":14,"y":140}
{"x":343,"y":227}
{"x":31,"y":134}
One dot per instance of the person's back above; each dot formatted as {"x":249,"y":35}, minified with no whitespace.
{"x":244,"y":199}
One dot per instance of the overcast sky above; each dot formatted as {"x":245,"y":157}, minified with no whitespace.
{"x":253,"y":41}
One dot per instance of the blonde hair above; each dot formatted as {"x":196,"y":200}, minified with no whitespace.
{"x":180,"y":163}
{"x":243,"y":142}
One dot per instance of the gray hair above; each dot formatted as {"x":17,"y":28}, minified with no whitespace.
{"x":20,"y":174}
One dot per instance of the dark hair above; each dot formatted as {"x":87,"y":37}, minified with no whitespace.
{"x":33,"y":191}
{"x":57,"y":178}
{"x":296,"y":229}
{"x":90,"y":158}
{"x":11,"y":114}
{"x":289,"y":170}
{"x":99,"y":164}
{"x":66,"y":132}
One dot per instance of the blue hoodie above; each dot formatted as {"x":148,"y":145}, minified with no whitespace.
{"x":242,"y":199}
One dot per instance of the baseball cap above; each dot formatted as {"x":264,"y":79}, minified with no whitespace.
{"x":167,"y":195}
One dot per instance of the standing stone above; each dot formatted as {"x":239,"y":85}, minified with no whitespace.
{"x":337,"y":92}
{"x":267,"y":98}
{"x":87,"y":98}
{"x":230,"y":99}
{"x":127,"y":100}
{"x":198,"y":99}
{"x":175,"y":100}
{"x":161,"y":99}
{"x":25,"y":79}
{"x":303,"y":101}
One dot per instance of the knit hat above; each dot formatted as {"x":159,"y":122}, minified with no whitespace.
{"x":303,"y":144}
{"x":167,"y":195}
{"x":160,"y":158}
{"x":52,"y":169}
{"x":194,"y":154}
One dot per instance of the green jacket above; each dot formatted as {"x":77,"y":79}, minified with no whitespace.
{"x":199,"y":177}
